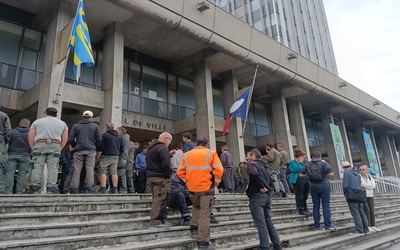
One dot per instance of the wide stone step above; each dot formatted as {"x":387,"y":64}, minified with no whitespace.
{"x":315,"y":240}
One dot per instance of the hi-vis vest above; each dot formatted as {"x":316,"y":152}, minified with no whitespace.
{"x":201,"y":169}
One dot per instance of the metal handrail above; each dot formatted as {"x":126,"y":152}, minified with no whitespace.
{"x":387,"y":184}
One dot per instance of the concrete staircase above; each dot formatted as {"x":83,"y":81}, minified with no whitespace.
{"x":120,"y":222}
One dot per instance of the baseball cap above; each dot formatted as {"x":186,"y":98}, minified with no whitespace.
{"x":88,"y":113}
{"x":51,"y":111}
{"x":202,"y":139}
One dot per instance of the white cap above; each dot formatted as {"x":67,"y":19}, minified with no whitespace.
{"x":88,"y":113}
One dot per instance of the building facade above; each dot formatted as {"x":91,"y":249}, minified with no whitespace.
{"x":177,"y":66}
{"x":299,"y":25}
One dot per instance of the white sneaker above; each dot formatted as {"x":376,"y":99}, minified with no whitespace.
{"x":371,"y":229}
{"x":376,"y":229}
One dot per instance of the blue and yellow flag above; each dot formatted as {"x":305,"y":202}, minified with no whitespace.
{"x":80,"y":41}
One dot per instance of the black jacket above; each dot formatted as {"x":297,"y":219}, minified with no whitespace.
{"x":85,"y":136}
{"x":111,"y":143}
{"x":259,"y":177}
{"x":158,"y":161}
{"x":19,"y":142}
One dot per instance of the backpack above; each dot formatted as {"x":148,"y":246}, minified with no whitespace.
{"x":315,"y":171}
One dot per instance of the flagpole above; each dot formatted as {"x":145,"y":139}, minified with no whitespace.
{"x":249,"y":100}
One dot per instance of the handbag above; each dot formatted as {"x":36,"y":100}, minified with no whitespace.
{"x":356,"y":195}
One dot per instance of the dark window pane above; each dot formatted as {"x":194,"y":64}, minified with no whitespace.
{"x":173,"y":112}
{"x":124,"y":101}
{"x":10,"y":37}
{"x":31,"y":39}
{"x":29,"y":59}
{"x":154,"y":108}
{"x":186,"y":112}
{"x":26,"y":79}
{"x":7,"y":75}
{"x":134,"y":103}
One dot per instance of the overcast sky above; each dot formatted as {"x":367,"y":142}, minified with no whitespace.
{"x":366,"y":41}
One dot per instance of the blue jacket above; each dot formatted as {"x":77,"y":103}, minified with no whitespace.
{"x":19,"y":142}
{"x":140,"y":162}
{"x":351,"y":179}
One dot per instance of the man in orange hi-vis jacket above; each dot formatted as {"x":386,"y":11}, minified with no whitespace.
{"x":202,"y":171}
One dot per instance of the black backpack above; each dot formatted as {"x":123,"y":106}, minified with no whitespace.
{"x":315,"y":171}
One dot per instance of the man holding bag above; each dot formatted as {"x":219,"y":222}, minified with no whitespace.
{"x":355,"y":198}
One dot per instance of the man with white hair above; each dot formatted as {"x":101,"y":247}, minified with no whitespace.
{"x":84,"y":138}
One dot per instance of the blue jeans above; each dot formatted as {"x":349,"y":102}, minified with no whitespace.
{"x":260,"y":208}
{"x":318,"y":194}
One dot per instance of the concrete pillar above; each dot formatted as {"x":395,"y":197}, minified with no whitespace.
{"x":345,"y":139}
{"x":51,"y":86}
{"x":297,"y":125}
{"x":394,"y":155}
{"x":204,"y":101}
{"x":387,"y":151}
{"x":378,"y":160}
{"x":280,"y":122}
{"x":112,"y":78}
{"x":326,"y":120}
{"x":234,"y":138}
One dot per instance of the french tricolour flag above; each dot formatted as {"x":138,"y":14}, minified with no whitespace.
{"x":238,"y":109}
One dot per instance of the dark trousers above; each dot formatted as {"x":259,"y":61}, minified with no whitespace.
{"x":260,"y":209}
{"x":227,"y":178}
{"x":359,"y":217}
{"x":180,"y":202}
{"x":301,"y":192}
{"x":369,"y":209}
{"x":140,"y":182}
{"x":129,"y":177}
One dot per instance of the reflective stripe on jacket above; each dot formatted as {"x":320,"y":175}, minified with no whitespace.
{"x":201,"y":169}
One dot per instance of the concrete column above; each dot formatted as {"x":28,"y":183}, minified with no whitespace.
{"x":297,"y":125}
{"x":387,"y":151}
{"x":51,"y":86}
{"x":345,"y":139}
{"x":234,"y":138}
{"x":280,"y":122}
{"x":378,"y":160}
{"x":394,"y":155}
{"x":326,"y":120}
{"x":204,"y":101}
{"x":112,"y":78}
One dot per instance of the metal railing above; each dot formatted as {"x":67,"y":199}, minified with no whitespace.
{"x":387,"y":184}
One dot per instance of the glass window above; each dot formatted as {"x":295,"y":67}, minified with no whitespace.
{"x":69,"y":72}
{"x":134,"y":75}
{"x":154,"y":85}
{"x":173,"y":112}
{"x":172,"y":89}
{"x":87,"y":75}
{"x":217,"y":103}
{"x":29,"y":59}
{"x":186,"y":96}
{"x":99,"y":68}
{"x":31,"y":39}
{"x":134,"y":103}
{"x":261,"y":117}
{"x":125,"y":81}
{"x":7,"y":75}
{"x":154,"y":108}
{"x":352,"y":142}
{"x":42,"y":53}
{"x":10,"y":37}
{"x":26,"y":79}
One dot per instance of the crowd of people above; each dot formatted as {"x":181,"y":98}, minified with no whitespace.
{"x":179,"y":178}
